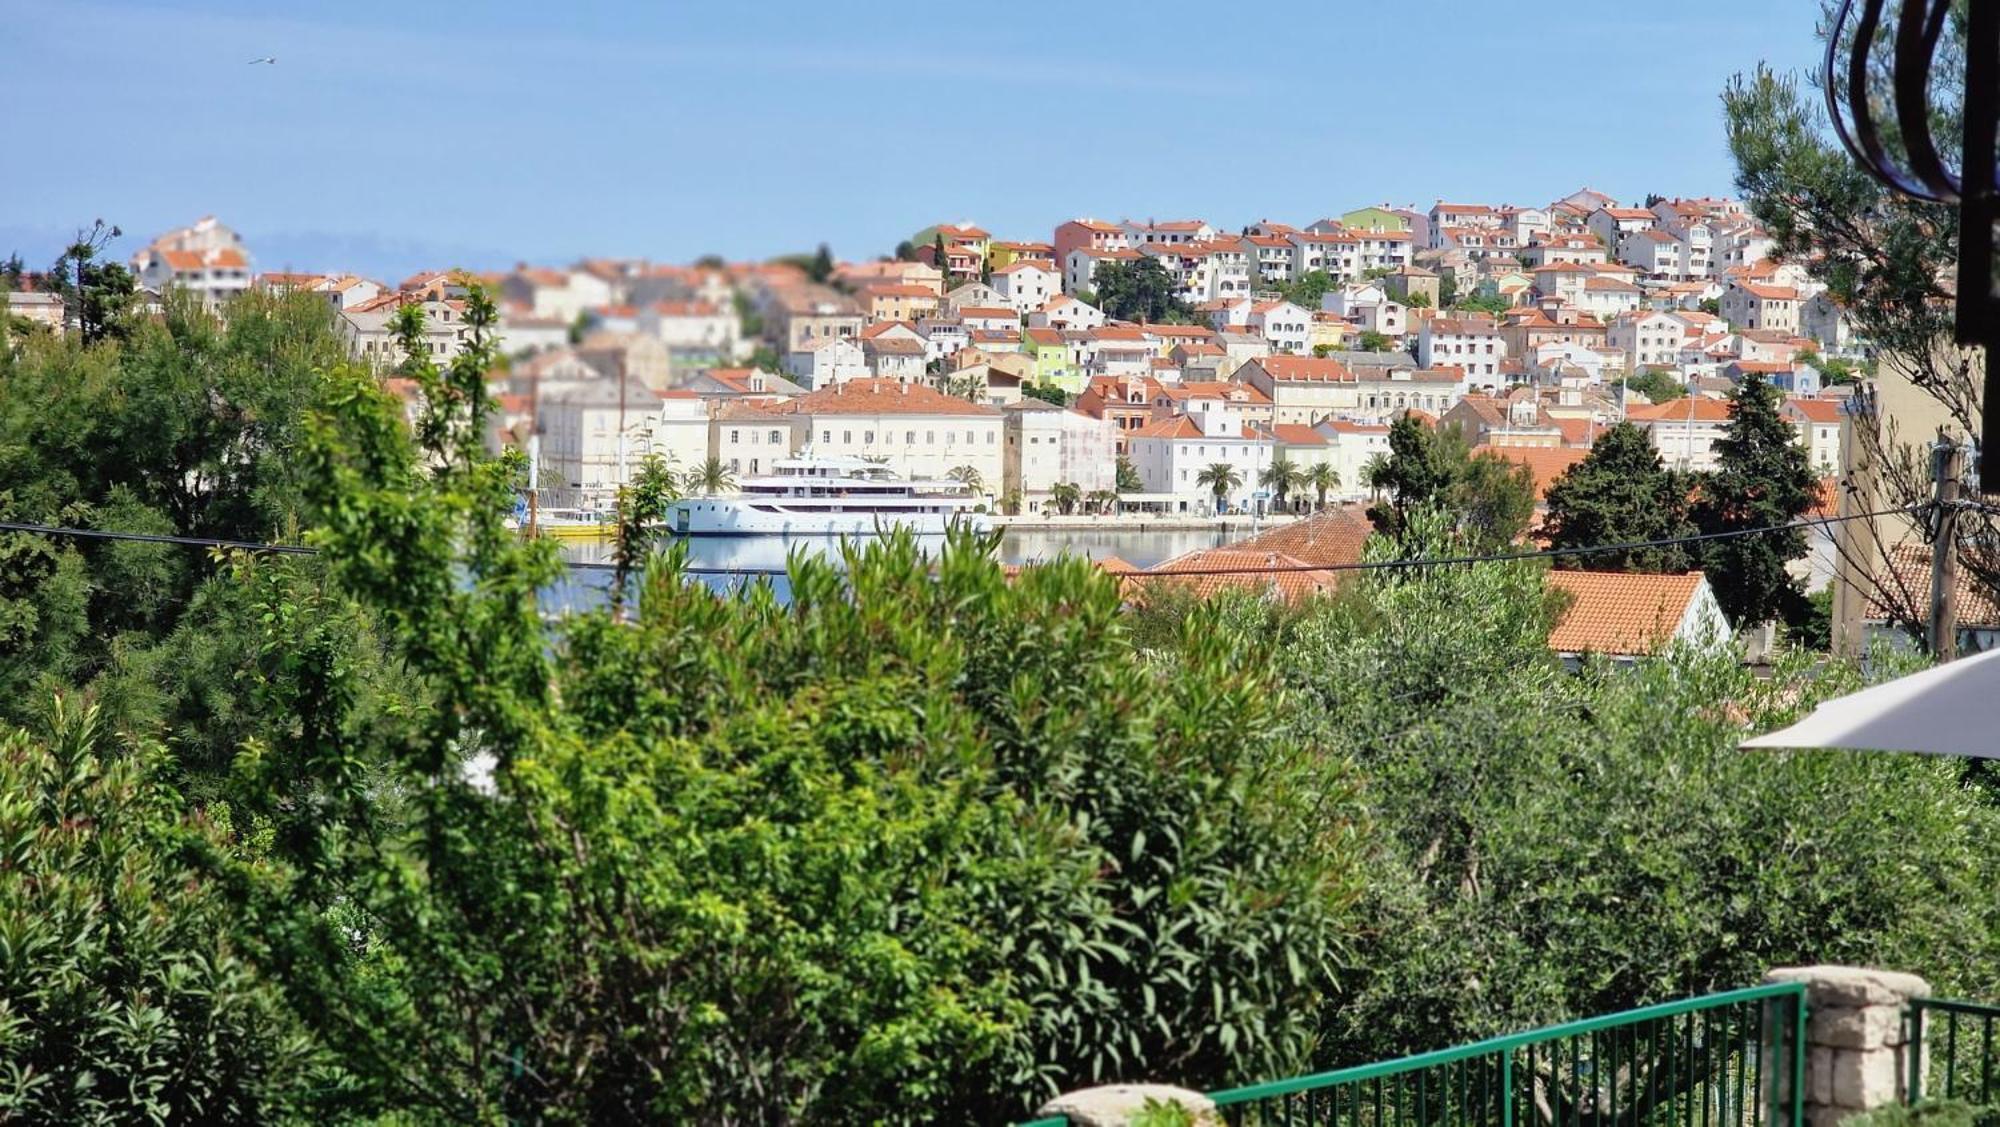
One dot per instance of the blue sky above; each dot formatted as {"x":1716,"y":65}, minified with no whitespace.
{"x":390,"y":137}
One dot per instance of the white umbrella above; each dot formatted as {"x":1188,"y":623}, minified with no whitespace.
{"x":1951,"y":709}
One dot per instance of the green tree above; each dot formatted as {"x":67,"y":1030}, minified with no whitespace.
{"x":1492,"y":499}
{"x":713,"y":476}
{"x":1047,"y":393}
{"x":1656,"y":385}
{"x":1762,"y":478}
{"x":969,"y":477}
{"x":97,"y":296}
{"x":122,"y":995}
{"x":1887,"y":259}
{"x":642,"y":506}
{"x":1065,"y":495}
{"x":1447,"y":290}
{"x":1417,"y":300}
{"x":906,"y":251}
{"x":1221,"y":478}
{"x":1490,"y":303}
{"x":1140,"y":290}
{"x":190,"y":427}
{"x":1562,"y":844}
{"x":1621,"y":493}
{"x":1372,"y":341}
{"x":839,"y":858}
{"x":821,"y":266}
{"x":1322,"y":478}
{"x":1128,"y":480}
{"x":1307,"y":289}
{"x":1281,"y":477}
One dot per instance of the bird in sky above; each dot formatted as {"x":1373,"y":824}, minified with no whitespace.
{"x":272,"y":59}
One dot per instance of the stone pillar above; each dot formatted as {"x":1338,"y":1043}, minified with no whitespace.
{"x":1856,"y":1058}
{"x":1114,"y":1105}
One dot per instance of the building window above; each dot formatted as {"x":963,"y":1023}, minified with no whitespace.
{"x":735,"y":436}
{"x":775,"y":439}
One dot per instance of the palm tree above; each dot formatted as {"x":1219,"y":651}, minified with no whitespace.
{"x":1375,"y":475}
{"x":1102,"y":501}
{"x":1221,"y":478}
{"x":1065,"y":495}
{"x":1010,"y":502}
{"x":1323,"y":478}
{"x":967,"y":476}
{"x":713,"y":477}
{"x":1281,"y":477}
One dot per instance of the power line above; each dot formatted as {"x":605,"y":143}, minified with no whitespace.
{"x":1540,"y":554}
{"x":153,"y":538}
{"x":1243,"y":569}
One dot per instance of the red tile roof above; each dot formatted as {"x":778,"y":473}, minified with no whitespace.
{"x":1295,"y":434}
{"x":1547,"y":463}
{"x":1329,"y":538}
{"x":1618,"y":613}
{"x":1290,"y":579}
{"x":884,"y":397}
{"x":1306,"y":369}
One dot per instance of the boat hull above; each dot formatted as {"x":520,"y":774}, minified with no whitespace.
{"x":730,"y":518}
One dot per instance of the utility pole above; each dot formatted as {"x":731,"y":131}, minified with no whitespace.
{"x":1947,"y":467}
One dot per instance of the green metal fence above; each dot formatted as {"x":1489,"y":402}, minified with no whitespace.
{"x":1951,"y":1046}
{"x":1732,"y":1059}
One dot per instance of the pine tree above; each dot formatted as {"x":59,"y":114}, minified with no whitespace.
{"x":1620,"y":494}
{"x":1762,"y":478}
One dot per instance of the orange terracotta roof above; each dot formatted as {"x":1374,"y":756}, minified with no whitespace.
{"x":884,"y":397}
{"x":1701,"y":408}
{"x":1547,"y":463}
{"x":1297,"y":434}
{"x":1619,"y":613}
{"x":1816,"y":410}
{"x":1329,"y":538}
{"x":1306,"y":369}
{"x":1289,"y":585}
{"x":1577,"y":432}
{"x":1179,"y":426}
{"x":1768,"y":293}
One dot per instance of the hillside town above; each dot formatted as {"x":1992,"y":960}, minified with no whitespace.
{"x":1010,"y":363}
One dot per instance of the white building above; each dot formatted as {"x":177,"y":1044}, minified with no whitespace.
{"x":1684,"y":430}
{"x":1064,"y":313}
{"x":205,"y":258}
{"x":693,"y":326}
{"x":1472,"y":344}
{"x":1287,"y":327}
{"x":564,"y":294}
{"x":827,"y":361}
{"x":1612,"y":224}
{"x":1171,"y":454}
{"x":370,"y":335}
{"x":1754,"y":305}
{"x":1351,"y":446}
{"x":1047,"y":445}
{"x":581,"y":425}
{"x":914,"y":429}
{"x":1027,"y":285}
{"x":1818,"y":422}
{"x":1647,"y":338}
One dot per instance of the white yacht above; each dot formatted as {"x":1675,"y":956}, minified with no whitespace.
{"x":811,"y":496}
